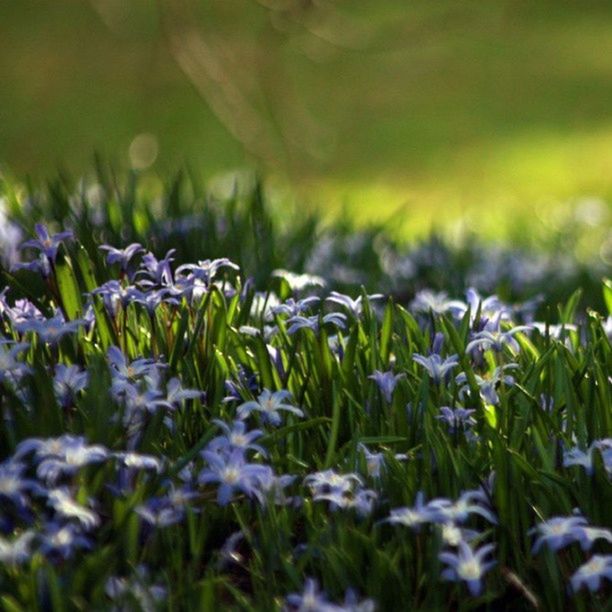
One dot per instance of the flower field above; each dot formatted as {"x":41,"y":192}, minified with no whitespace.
{"x":217,"y":407}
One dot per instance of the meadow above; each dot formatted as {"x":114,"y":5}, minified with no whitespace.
{"x":214,"y":402}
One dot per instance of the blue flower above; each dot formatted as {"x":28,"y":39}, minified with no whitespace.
{"x":17,"y":550}
{"x":113,"y":294}
{"x":547,"y":402}
{"x":490,"y":307}
{"x":575,"y":456}
{"x":10,"y":367}
{"x":246,"y":381}
{"x":263,"y":305}
{"x":50,"y":330}
{"x":128,"y":468}
{"x":437,"y":344}
{"x":336,"y":345}
{"x":468,"y":565}
{"x":150,"y":299}
{"x":427,"y":301}
{"x":46,"y":243}
{"x":22,"y":310}
{"x":274,"y":489}
{"x":121,"y":256}
{"x":68,"y":508}
{"x":175,"y":394}
{"x":10,"y":237}
{"x":139,"y":462}
{"x":142,"y":399}
{"x":124,"y":372}
{"x":353,"y":604}
{"x":313,"y":323}
{"x":268,"y":404}
{"x":206,"y":270}
{"x":558,"y":532}
{"x":62,"y":540}
{"x":157,"y":513}
{"x":445,"y":510}
{"x":361,"y":500}
{"x":157,"y":271}
{"x":40,"y":266}
{"x":293,"y":307}
{"x":234,"y":473}
{"x":139,"y":402}
{"x":168,"y":509}
{"x":587,"y":536}
{"x":188,"y":287}
{"x":487,"y":386}
{"x":420,"y":514}
{"x":236,"y":437}
{"x":67,"y":383}
{"x":591,"y":574}
{"x":452,"y":534}
{"x":229,"y":551}
{"x":376,"y":461}
{"x":495,"y":339}
{"x":15,"y":487}
{"x":558,"y":332}
{"x":61,"y":456}
{"x":125,"y":590}
{"x":354,"y":306}
{"x":298,"y":282}
{"x":311,"y":599}
{"x":386,"y":381}
{"x":457,"y":419}
{"x":341,"y":491}
{"x":436,"y":367}
{"x":329,"y":481}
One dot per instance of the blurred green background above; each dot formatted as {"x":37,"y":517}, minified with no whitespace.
{"x":484,"y":111}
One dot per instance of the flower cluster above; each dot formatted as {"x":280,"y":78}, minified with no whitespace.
{"x":561,"y":531}
{"x":342,"y":491}
{"x":313,"y":598}
{"x":177,"y":419}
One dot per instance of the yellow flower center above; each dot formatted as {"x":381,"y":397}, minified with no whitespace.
{"x":594,"y":566}
{"x":469,"y":570}
{"x":238,"y":440}
{"x":231,"y":475}
{"x":9,"y":485}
